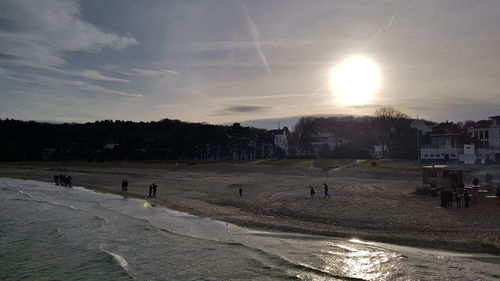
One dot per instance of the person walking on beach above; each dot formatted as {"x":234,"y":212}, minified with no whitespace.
{"x":240,"y":191}
{"x":466,"y":199}
{"x":150,"y":190}
{"x":155,"y":188}
{"x":312,"y":192}
{"x":326,"y":191}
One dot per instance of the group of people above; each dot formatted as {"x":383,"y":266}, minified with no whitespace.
{"x":448,"y":195}
{"x":325,"y":188}
{"x":153,"y":188}
{"x":63,"y":180}
{"x":124,"y":185}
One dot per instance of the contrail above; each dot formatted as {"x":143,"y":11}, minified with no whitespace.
{"x":255,"y":36}
{"x":313,"y":93}
{"x":377,"y":34}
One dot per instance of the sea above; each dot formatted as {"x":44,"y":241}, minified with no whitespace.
{"x":50,"y":232}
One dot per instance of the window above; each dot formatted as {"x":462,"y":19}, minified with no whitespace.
{"x":481,"y":135}
{"x":476,"y":134}
{"x":432,"y":155}
{"x":426,"y":155}
{"x":486,"y":134}
{"x":453,"y":156}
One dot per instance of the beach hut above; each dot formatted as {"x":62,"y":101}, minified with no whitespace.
{"x":436,"y":177}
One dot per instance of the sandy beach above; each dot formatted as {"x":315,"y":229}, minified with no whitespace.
{"x":371,"y":203}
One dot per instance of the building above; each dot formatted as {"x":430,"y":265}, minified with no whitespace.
{"x":379,"y":151}
{"x":281,"y":138}
{"x":447,"y":142}
{"x":487,"y":135}
{"x":442,"y":147}
{"x":323,"y":142}
{"x":444,"y":143}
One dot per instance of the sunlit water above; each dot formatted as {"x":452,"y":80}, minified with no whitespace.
{"x":49,"y":232}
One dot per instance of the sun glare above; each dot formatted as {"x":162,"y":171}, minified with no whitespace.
{"x":355,"y":80}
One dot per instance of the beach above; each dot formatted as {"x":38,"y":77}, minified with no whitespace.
{"x":369,"y":203}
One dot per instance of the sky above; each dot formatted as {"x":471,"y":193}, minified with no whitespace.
{"x":223,"y":61}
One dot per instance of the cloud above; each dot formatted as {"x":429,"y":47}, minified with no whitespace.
{"x":37,"y":34}
{"x":243,"y":109}
{"x":139,"y":72}
{"x":95,"y":75}
{"x":229,"y":45}
{"x":47,"y":82}
{"x":85,"y":86}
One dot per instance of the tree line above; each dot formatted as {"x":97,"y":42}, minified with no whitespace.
{"x":355,"y":137}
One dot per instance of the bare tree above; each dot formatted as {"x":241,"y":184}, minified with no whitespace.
{"x":389,"y":117}
{"x":390,"y":112}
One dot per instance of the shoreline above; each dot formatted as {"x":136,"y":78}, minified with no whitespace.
{"x":260,"y":211}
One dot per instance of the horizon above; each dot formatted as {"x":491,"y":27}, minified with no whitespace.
{"x":243,"y":61}
{"x":269,"y":123}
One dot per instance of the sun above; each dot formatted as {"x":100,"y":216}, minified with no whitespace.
{"x":355,"y":80}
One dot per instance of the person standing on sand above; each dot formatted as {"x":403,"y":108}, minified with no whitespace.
{"x":240,"y":191}
{"x":123,"y":186}
{"x":449,"y":198}
{"x":312,"y":192}
{"x":326,"y":191}
{"x":466,"y":199}
{"x":444,"y":204}
{"x":155,"y":188}
{"x":150,"y":190}
{"x":457,"y":198}
{"x":56,"y":179}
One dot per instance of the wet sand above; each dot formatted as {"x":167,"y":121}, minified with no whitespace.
{"x":370,"y":203}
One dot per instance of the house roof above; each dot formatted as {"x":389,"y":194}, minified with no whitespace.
{"x":280,"y":131}
{"x":483,"y":124}
{"x":446,"y":128}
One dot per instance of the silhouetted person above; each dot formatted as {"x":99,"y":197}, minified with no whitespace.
{"x":326,"y":191}
{"x":68,"y":181}
{"x":124,"y":185}
{"x":466,"y":199}
{"x":155,"y":188}
{"x":475,"y":181}
{"x":312,"y":192}
{"x":56,"y":179}
{"x":488,"y":178}
{"x":444,"y":202}
{"x":150,"y":190}
{"x":457,"y":199}
{"x":240,"y":191}
{"x":449,"y":198}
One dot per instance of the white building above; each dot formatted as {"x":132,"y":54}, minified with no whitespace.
{"x":379,"y":151}
{"x":442,"y":147}
{"x":281,"y":137}
{"x":487,"y":133}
